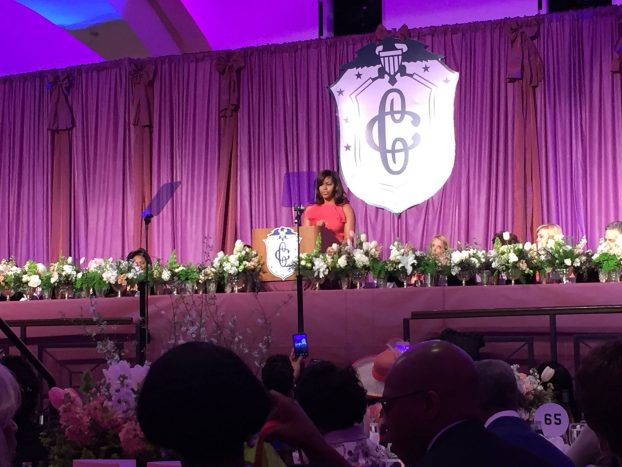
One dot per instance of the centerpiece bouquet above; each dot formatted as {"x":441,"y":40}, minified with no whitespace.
{"x":402,"y":261}
{"x":63,"y":275}
{"x":241,"y":265}
{"x":608,"y":261}
{"x":535,"y":389}
{"x":466,"y":262}
{"x":563,"y":256}
{"x":32,"y":274}
{"x":512,"y":261}
{"x":340,"y":263}
{"x":99,"y":421}
{"x":207,"y":279}
{"x":162,"y":276}
{"x":314,"y":265}
{"x":92,"y":279}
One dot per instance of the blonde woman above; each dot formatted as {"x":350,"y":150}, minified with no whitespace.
{"x":547,"y":232}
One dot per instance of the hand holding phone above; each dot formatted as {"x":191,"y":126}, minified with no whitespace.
{"x":301,"y":348}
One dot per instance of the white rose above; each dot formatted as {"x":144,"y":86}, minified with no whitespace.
{"x":54,"y":278}
{"x":547,"y":374}
{"x":70,"y":260}
{"x":363,"y":237}
{"x":342,"y":262}
{"x":67,"y":269}
{"x":506,"y":236}
{"x":527,"y":246}
{"x":25,"y":279}
{"x":568,"y":262}
{"x":512,"y":257}
{"x":166,"y":275}
{"x":35,"y":281}
{"x":41,"y":268}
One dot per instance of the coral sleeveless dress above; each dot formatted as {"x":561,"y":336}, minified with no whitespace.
{"x":333,"y":216}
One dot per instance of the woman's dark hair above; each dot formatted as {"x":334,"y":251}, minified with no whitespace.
{"x":139,"y":252}
{"x":278,"y":374}
{"x":563,"y":388}
{"x":338,"y":194}
{"x":201,"y":401}
{"x":333,"y":398}
{"x":513,"y":240}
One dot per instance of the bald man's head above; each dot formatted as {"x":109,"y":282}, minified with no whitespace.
{"x":430,"y":387}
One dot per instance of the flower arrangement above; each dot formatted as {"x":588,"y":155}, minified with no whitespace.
{"x":512,"y":260}
{"x":340,"y":260}
{"x":64,"y":272}
{"x":466,"y":260}
{"x":563,"y":255}
{"x":99,"y":421}
{"x":32,"y":273}
{"x":401,"y":259}
{"x":91,"y":279}
{"x":535,"y":389}
{"x":608,"y":256}
{"x":10,"y":276}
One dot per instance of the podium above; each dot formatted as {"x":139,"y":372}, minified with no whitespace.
{"x":277,"y":247}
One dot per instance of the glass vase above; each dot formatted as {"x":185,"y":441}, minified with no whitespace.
{"x":344,"y":282}
{"x":119,"y":289}
{"x":236,"y":281}
{"x":485,"y":278}
{"x":359,"y":277}
{"x":403,"y":277}
{"x":8,"y":292}
{"x":65,"y":291}
{"x":562,"y":273}
{"x":316,"y":282}
{"x":463,"y":276}
{"x":430,"y":279}
{"x":513,"y":275}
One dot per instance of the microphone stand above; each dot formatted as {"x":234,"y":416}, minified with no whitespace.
{"x":298,"y":209}
{"x":143,"y":303}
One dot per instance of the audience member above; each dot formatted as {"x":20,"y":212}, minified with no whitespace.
{"x":278,"y":374}
{"x":29,"y":446}
{"x":201,"y":401}
{"x":10,"y":401}
{"x":336,"y":402}
{"x":498,"y":404}
{"x":431,"y":412}
{"x":599,"y":386}
{"x":613,"y":231}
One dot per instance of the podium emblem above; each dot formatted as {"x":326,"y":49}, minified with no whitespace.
{"x":281,"y":251}
{"x":396,"y":126}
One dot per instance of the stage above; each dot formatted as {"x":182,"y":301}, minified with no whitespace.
{"x":342,"y":325}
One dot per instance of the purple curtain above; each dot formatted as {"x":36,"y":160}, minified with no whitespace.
{"x":185,"y":148}
{"x":580,"y":104}
{"x":102,"y":187}
{"x":25,"y":167}
{"x":287,"y":122}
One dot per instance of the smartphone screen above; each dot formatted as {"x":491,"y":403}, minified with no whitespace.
{"x":300,"y":345}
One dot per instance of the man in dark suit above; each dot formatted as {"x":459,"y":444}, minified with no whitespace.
{"x":431,"y":413}
{"x":498,"y":401}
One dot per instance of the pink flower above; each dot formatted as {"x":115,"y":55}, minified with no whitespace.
{"x":132,"y":438}
{"x":102,"y":415}
{"x":60,"y":396}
